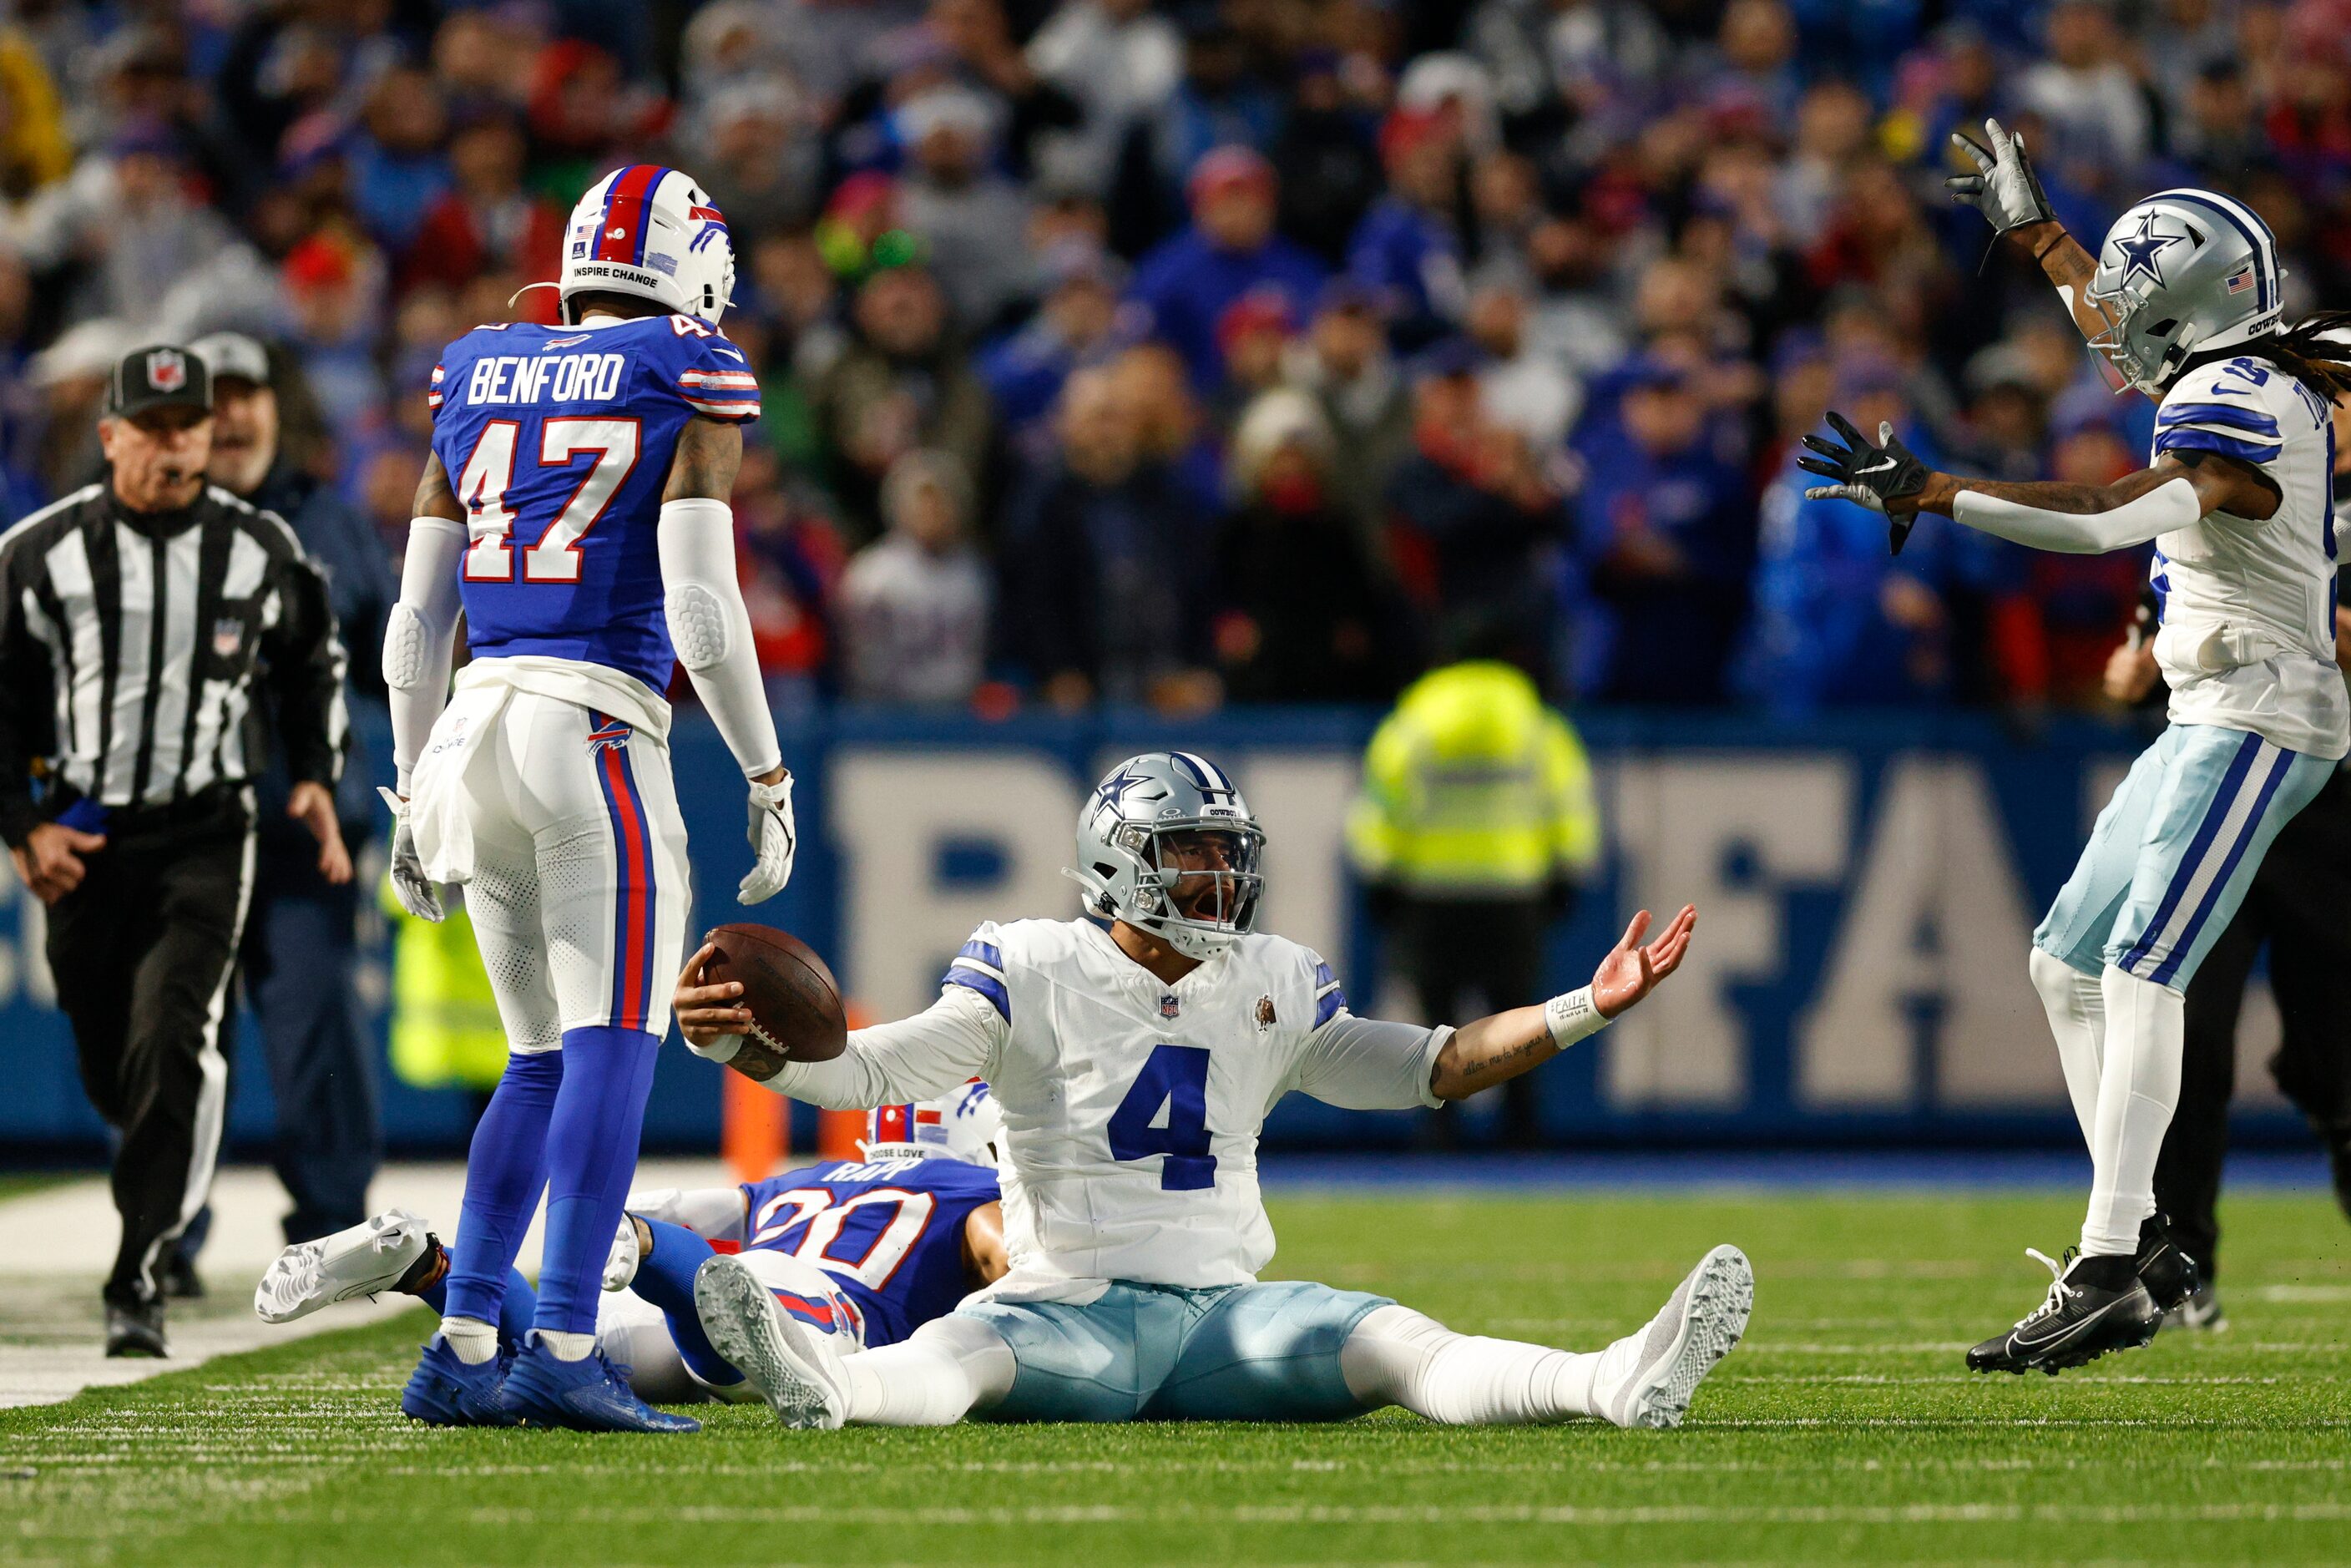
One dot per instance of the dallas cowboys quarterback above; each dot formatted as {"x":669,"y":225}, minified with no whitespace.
{"x":1135,"y":1065}
{"x":2183,"y":304}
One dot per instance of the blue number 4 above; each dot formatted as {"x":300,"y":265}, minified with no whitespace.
{"x":1176,"y":1077}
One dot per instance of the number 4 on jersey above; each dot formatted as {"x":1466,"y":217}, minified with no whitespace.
{"x":1167,"y":1113}
{"x":489,"y":472}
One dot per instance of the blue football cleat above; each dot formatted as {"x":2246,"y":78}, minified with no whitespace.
{"x":589,"y":1395}
{"x":445,"y":1391}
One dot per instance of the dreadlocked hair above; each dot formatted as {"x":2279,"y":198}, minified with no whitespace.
{"x":2316,"y":352}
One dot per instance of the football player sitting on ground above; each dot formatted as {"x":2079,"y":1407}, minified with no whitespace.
{"x":866,"y":1250}
{"x":1135,"y":1065}
{"x":2183,"y":301}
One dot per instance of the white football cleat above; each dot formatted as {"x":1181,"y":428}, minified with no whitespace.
{"x":620,"y":1263}
{"x":793,"y":1366}
{"x":363,"y":1260}
{"x":1647,"y":1379}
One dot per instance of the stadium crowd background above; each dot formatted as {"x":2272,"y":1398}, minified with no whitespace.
{"x":1260,"y":351}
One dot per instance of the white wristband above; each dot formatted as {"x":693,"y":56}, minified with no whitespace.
{"x":1572,"y":1017}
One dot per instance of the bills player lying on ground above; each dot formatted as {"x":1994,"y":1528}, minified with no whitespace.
{"x":575,"y":507}
{"x":865,"y":1251}
{"x":1136,"y":1066}
{"x":2183,"y":302}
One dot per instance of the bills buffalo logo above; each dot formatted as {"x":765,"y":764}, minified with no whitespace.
{"x":228,"y":636}
{"x":1167,"y":1007}
{"x":605,"y":736}
{"x":554,"y":343}
{"x":167,"y":369}
{"x":1265,"y":1019}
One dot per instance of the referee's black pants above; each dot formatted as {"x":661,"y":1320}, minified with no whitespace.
{"x":143,"y":953}
{"x":2300,"y":904}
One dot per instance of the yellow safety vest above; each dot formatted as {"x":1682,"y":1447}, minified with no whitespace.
{"x":1473,"y":789}
{"x":445,"y":1028}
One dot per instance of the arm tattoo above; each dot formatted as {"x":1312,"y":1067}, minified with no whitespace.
{"x":435,"y":498}
{"x":756,"y":1061}
{"x":2050,"y":494}
{"x":708,"y":453}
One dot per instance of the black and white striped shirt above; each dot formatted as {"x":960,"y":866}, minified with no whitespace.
{"x":130,"y":643}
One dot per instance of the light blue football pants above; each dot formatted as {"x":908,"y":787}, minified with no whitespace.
{"x":2174,"y":851}
{"x":1159,"y":1353}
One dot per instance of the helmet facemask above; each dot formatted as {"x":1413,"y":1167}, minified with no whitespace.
{"x":1203,"y":883}
{"x":2130,"y":355}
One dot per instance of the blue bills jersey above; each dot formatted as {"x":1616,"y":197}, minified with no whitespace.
{"x":890,"y":1233}
{"x":558,"y":442}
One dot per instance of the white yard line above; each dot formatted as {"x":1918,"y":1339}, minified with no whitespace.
{"x":58,"y":1242}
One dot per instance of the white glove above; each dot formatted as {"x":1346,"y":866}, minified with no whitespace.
{"x":773,"y":838}
{"x":620,"y":1266}
{"x":416,"y":892}
{"x":2004,"y":188}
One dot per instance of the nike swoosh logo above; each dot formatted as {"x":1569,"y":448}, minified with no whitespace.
{"x":1877,"y":467}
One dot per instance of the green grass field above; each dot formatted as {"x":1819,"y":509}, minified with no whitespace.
{"x":1844,"y":1429}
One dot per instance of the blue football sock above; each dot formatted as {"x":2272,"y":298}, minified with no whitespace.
{"x":514,"y":1307}
{"x":591,"y":1154}
{"x":665,"y":1277}
{"x":506,"y":1169}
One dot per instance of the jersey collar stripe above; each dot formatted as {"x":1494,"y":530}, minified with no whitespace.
{"x":2223,"y":799}
{"x":621,"y":236}
{"x":2248,"y":224}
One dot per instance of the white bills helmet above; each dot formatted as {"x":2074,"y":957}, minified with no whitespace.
{"x":2182,"y":272}
{"x":652,"y":232}
{"x":1129,"y":831}
{"x":965,"y":1125}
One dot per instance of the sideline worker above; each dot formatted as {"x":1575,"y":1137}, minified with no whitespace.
{"x":301,"y":937}
{"x":1474,"y":825}
{"x":140,"y":617}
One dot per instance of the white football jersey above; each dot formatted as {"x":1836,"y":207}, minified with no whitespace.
{"x":2248,"y":637}
{"x":1132,"y":1107}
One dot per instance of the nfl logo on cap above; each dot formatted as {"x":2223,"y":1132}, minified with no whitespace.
{"x":167,"y":369}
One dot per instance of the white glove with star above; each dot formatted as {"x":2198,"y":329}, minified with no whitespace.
{"x":417,"y":893}
{"x":773,"y":837}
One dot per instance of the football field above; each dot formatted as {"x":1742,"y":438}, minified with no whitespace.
{"x":1845,"y":1429}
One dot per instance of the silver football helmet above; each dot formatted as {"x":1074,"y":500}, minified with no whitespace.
{"x":1161,"y":820}
{"x":2182,"y":272}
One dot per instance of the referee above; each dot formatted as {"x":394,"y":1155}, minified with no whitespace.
{"x":137,"y":616}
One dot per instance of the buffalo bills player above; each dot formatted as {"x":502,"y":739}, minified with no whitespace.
{"x":575,"y":507}
{"x":866,"y":1250}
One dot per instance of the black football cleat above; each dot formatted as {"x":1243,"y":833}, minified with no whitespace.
{"x":181,"y":1281}
{"x":136,"y":1331}
{"x":2169,"y":1274}
{"x":2093,"y":1305}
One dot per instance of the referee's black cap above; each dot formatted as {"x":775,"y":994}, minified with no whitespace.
{"x":159,"y":376}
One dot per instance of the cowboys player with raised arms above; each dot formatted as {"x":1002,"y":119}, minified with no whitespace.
{"x":2182,"y":302}
{"x":1135,"y":1065}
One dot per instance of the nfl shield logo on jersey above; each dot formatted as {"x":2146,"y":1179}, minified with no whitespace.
{"x":1167,"y":1006}
{"x":228,"y":633}
{"x":167,"y":369}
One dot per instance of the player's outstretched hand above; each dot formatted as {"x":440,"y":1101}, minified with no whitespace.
{"x":1631,"y":970}
{"x":707,"y":1013}
{"x":2004,"y":188}
{"x":415,"y":890}
{"x":774,"y":838}
{"x":1882,"y":475}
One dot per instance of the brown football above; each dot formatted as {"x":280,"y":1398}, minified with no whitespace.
{"x":795,"y":1004}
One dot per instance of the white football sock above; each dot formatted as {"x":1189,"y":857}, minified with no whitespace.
{"x":2076,"y":1006}
{"x":2147,"y":1028}
{"x":567,"y":1346}
{"x":948,"y":1368}
{"x":1398,"y":1357}
{"x":475,"y":1341}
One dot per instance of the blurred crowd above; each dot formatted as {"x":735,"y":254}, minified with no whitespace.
{"x":1219,"y":351}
